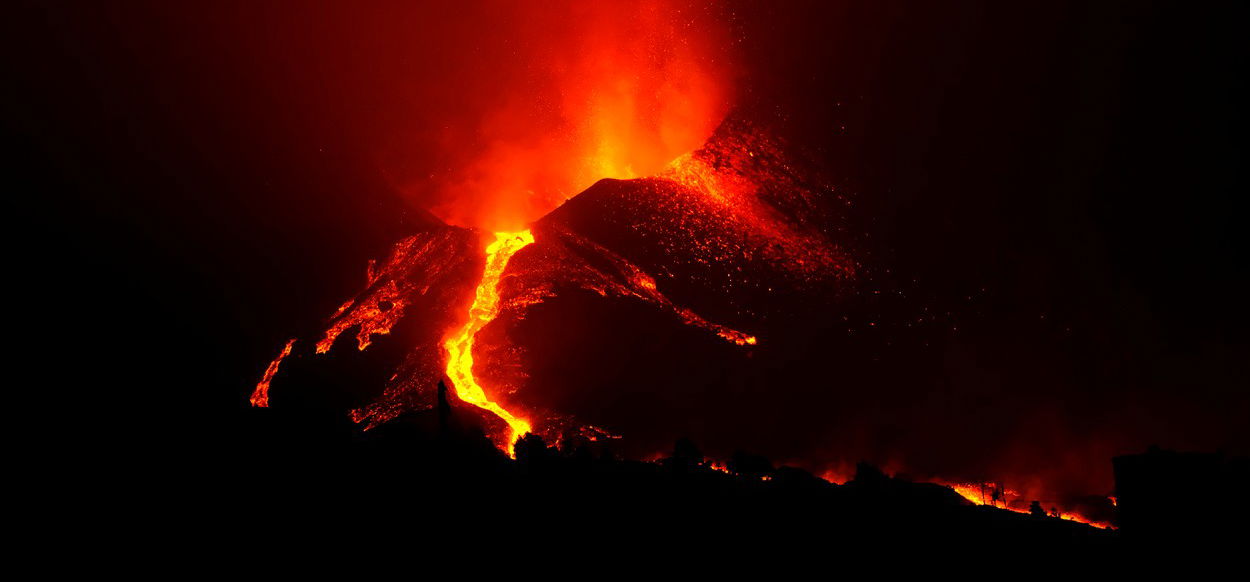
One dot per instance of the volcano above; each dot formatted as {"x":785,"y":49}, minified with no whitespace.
{"x":982,"y":247}
{"x":723,"y":299}
{"x":571,"y":329}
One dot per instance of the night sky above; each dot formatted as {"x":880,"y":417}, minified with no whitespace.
{"x":1063,"y":179}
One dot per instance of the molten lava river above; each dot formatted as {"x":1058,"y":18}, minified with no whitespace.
{"x":485,"y":307}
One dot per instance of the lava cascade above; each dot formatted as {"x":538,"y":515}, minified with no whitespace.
{"x":485,"y":307}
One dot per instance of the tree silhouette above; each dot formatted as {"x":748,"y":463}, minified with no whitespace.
{"x":531,"y":451}
{"x":686,"y":455}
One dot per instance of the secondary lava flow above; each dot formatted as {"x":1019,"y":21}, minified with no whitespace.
{"x":260,"y":396}
{"x":484,"y":309}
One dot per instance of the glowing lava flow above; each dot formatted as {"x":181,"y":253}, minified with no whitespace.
{"x":260,"y":396}
{"x":484,"y":309}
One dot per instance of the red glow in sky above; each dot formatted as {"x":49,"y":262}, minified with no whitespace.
{"x":580,"y":93}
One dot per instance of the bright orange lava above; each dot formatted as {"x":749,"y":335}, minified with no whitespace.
{"x":484,"y":309}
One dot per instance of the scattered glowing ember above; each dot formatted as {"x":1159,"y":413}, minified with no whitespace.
{"x":260,"y":396}
{"x":986,"y":494}
{"x":563,"y":263}
{"x":484,"y":309}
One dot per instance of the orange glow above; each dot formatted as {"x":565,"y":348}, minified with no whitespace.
{"x":374,"y":318}
{"x":484,"y":309}
{"x":612,"y":90}
{"x":839,"y":474}
{"x":982,"y":494}
{"x":1082,"y":519}
{"x":734,"y":199}
{"x":973,"y":492}
{"x":260,"y":396}
{"x":644,"y":287}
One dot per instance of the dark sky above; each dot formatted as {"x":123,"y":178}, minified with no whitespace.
{"x":1062,"y":177}
{"x":1065,"y":178}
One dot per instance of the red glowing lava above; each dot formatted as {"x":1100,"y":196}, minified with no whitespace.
{"x":260,"y":396}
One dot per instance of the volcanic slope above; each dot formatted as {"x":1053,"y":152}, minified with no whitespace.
{"x":636,"y":302}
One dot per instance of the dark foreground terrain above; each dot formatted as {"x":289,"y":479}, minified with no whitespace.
{"x":432,"y":476}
